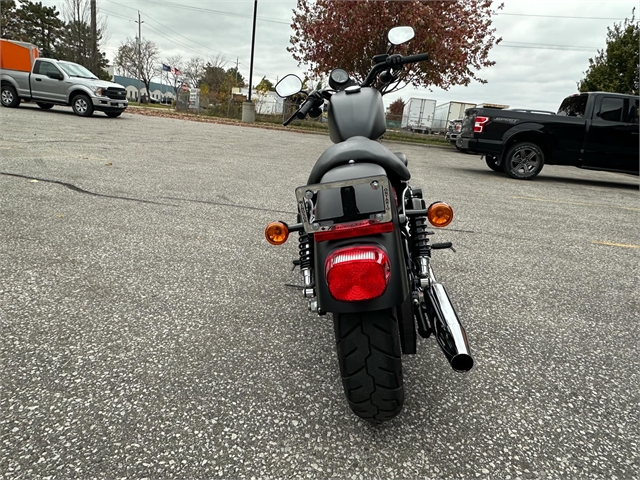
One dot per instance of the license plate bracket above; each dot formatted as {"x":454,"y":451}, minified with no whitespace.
{"x":356,"y":202}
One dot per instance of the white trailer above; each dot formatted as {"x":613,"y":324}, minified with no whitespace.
{"x":448,"y":112}
{"x":417,"y":115}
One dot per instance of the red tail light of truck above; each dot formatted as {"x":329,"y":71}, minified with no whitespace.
{"x":478,"y":127}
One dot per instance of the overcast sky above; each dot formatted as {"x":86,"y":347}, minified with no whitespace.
{"x":554,"y":43}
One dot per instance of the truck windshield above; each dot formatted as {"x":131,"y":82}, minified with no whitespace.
{"x":75,"y":70}
{"x":573,"y":106}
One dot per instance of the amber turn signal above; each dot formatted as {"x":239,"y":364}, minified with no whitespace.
{"x":440,"y":214}
{"x":276,"y":233}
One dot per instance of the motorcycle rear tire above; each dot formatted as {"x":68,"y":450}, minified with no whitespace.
{"x":370,"y":362}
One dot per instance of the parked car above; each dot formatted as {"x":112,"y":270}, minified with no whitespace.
{"x":48,"y":82}
{"x":595,"y":130}
{"x":455,"y":127}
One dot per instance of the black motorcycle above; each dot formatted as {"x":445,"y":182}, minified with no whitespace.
{"x":364,"y":246}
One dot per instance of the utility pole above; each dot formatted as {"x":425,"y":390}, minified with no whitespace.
{"x":253,"y":43}
{"x":94,"y":38}
{"x":248,"y":107}
{"x":139,"y":22}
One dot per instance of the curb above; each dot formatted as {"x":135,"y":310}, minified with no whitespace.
{"x":152,"y":112}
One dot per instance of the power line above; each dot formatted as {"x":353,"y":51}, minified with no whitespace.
{"x":177,"y":33}
{"x":549,"y":44}
{"x":218,"y":12}
{"x":243,"y":62}
{"x":113,"y":14}
{"x":546,"y":46}
{"x":557,"y":16}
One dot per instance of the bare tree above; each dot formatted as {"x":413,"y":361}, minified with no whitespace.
{"x":78,"y":46}
{"x":80,"y":11}
{"x":142,"y":64}
{"x":194,"y":70}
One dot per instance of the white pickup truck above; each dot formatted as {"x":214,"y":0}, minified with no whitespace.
{"x":55,"y":82}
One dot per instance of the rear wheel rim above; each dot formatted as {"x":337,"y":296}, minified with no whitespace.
{"x":81,"y":105}
{"x":7,"y":97}
{"x":524,"y":162}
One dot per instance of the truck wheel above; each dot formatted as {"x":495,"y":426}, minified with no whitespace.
{"x":82,"y":105}
{"x":492,"y":163}
{"x":523,"y":161}
{"x":370,"y":365}
{"x":44,"y":106}
{"x":9,"y":97}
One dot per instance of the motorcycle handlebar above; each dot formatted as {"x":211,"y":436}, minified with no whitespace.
{"x":421,"y":57}
{"x":388,"y":63}
{"x":305,"y":108}
{"x":391,"y":62}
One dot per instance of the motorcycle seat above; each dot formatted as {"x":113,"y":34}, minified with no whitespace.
{"x":360,"y":148}
{"x":402,"y":157}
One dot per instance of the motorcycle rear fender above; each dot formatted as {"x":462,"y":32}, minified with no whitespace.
{"x":398,"y":286}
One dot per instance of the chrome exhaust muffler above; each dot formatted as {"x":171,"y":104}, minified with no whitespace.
{"x":448,"y":329}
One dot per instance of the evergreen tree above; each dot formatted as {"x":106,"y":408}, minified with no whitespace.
{"x":9,"y":25}
{"x":41,"y":26}
{"x":616,"y":68}
{"x":76,"y":47}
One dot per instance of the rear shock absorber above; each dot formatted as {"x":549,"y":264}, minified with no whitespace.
{"x":305,"y":250}
{"x":420,"y":247}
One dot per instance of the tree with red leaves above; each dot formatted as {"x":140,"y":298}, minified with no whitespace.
{"x":457,"y":35}
{"x":396,"y":108}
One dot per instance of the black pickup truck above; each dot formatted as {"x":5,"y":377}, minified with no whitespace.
{"x":597,"y":131}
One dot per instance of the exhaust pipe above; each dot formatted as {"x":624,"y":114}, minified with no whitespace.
{"x":449,"y":332}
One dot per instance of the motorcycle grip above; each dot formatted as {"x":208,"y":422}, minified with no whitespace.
{"x":305,"y":108}
{"x":421,"y":57}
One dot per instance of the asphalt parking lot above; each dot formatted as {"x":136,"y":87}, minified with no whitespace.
{"x":147,"y":331}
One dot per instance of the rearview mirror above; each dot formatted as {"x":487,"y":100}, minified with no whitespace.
{"x":55,"y":75}
{"x":289,"y":85}
{"x":399,"y":35}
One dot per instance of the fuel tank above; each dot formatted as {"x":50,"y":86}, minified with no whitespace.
{"x":356,"y":112}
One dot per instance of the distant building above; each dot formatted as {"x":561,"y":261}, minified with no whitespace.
{"x":159,"y":91}
{"x":267,"y":103}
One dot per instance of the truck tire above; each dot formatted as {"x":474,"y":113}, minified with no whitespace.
{"x":523,"y":161}
{"x":44,"y":106}
{"x":9,"y":97}
{"x":82,"y":105}
{"x":368,"y":348}
{"x":492,"y":163}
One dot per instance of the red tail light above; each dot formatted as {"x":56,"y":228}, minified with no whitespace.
{"x":349,"y":230}
{"x":478,"y":127}
{"x":357,"y":273}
